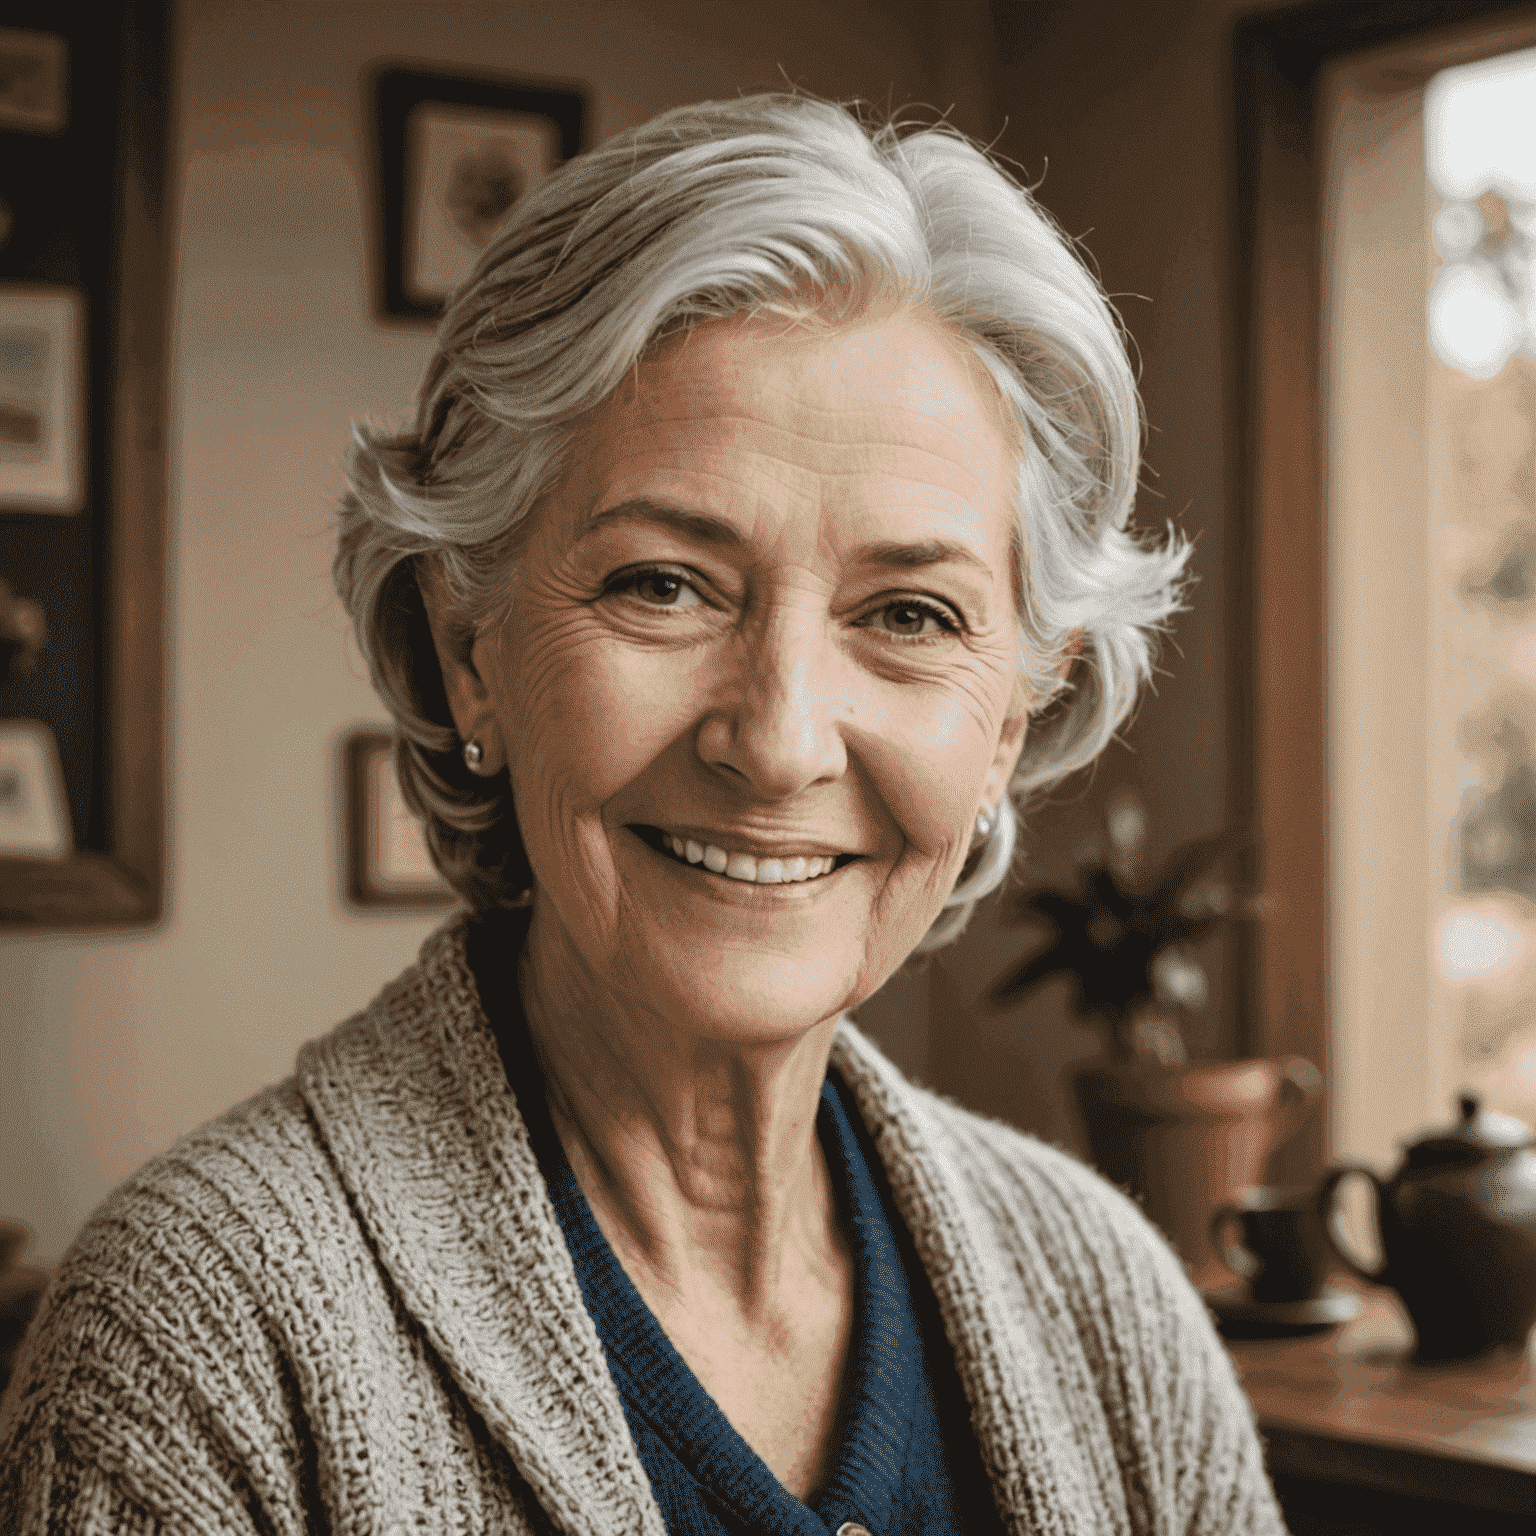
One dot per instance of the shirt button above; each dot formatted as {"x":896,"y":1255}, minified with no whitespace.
{"x":852,"y":1528}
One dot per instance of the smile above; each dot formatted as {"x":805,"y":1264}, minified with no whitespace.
{"x":748,"y":868}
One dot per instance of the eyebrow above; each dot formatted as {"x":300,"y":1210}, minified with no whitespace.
{"x":911,"y":557}
{"x":705,"y":527}
{"x":720,"y":532}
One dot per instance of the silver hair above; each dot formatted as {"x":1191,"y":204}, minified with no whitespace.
{"x":772,"y":205}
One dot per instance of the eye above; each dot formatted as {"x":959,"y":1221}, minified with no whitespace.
{"x":912,"y":619}
{"x":656,"y":589}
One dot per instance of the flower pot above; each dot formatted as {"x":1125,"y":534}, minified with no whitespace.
{"x":1184,"y":1140}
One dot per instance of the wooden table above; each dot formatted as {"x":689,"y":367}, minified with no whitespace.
{"x":1360,"y":1438}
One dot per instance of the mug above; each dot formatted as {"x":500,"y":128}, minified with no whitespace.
{"x":1282,"y":1249}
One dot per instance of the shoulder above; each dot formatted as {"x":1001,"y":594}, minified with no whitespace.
{"x":234,"y":1214}
{"x":188,"y":1221}
{"x":164,"y":1352}
{"x":217,"y":1174}
{"x":1021,"y":1178}
{"x":170,"y":1280}
{"x":1008,"y":1175}
{"x":1045,"y":1228}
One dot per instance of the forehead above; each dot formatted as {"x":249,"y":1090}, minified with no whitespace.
{"x":888,"y":419}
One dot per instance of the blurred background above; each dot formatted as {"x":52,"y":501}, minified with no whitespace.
{"x":221,"y":226}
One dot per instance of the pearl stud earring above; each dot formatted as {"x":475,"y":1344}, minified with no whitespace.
{"x":983,"y":824}
{"x":474,"y":755}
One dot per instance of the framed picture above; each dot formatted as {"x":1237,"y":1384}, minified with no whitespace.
{"x":385,"y":861}
{"x":85,"y":429}
{"x":34,"y":82}
{"x":455,"y":154}
{"x":42,"y":407}
{"x":34,"y":819}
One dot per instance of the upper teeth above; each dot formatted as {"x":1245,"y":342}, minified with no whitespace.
{"x":742,"y":866}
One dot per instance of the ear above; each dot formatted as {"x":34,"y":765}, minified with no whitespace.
{"x":1010,"y":743}
{"x":469,"y":700}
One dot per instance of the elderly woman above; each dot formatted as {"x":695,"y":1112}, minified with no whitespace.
{"x":761,"y":536}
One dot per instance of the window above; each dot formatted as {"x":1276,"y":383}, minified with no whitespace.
{"x":1429,"y":412}
{"x":1480,"y":156}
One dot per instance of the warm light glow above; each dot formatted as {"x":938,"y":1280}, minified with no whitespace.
{"x":1472,"y":324}
{"x":1480,"y":155}
{"x":1477,"y":944}
{"x":1480,"y":128}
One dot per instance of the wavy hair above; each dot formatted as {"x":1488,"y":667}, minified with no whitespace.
{"x":772,"y":205}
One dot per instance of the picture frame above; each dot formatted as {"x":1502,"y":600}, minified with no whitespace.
{"x":98,"y":684}
{"x":34,"y":81}
{"x":384,"y":862}
{"x":42,"y":399}
{"x":454,"y":154}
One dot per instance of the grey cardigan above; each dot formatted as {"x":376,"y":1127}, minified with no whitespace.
{"x":347,"y":1307}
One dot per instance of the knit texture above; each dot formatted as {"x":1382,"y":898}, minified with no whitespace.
{"x":347,"y":1306}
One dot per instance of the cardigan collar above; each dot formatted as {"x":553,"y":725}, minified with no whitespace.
{"x":417,"y":1112}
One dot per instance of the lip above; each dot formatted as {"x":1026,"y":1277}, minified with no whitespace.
{"x":743,"y":842}
{"x":655,"y":838}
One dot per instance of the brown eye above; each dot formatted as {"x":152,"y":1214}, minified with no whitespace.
{"x":658,"y":589}
{"x":912,"y":619}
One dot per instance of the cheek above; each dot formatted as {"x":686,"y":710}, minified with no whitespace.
{"x":586,"y":714}
{"x":931,"y":763}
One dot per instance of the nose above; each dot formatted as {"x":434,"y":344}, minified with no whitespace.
{"x":777,"y":726}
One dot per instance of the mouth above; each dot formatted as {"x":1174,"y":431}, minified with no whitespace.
{"x":732,"y":864}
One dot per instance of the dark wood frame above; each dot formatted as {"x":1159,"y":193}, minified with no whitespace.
{"x":396,"y":92}
{"x":1278,"y":580}
{"x":361,"y":887}
{"x":124,"y":885}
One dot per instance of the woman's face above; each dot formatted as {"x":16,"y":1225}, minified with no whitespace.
{"x":767,"y":620}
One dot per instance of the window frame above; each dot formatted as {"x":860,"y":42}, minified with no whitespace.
{"x":1279,"y":580}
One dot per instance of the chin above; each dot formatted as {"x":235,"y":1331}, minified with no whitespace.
{"x":740,"y":993}
{"x":729,"y":961}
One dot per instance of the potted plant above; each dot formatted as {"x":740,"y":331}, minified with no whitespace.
{"x":1182,"y":1137}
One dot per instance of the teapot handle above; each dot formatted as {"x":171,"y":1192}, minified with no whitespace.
{"x":1327,"y":1202}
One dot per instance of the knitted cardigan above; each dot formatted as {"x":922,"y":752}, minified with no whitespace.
{"x":346,"y":1306}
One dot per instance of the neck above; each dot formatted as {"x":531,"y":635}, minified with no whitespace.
{"x":697,"y":1151}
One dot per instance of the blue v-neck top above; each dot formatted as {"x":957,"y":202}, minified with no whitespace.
{"x":907,"y":1463}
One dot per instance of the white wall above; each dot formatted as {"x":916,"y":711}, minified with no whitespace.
{"x":115,"y":1045}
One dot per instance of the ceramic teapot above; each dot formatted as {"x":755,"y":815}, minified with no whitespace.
{"x":1457,"y":1223}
